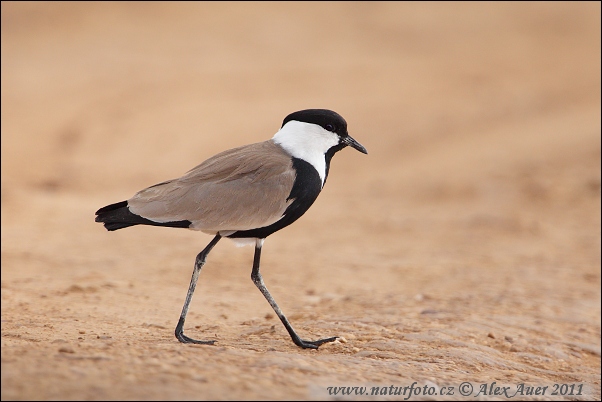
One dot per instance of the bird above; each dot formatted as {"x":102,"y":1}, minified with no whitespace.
{"x":244,"y":194}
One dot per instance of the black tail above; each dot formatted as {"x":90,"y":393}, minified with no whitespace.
{"x":118,"y":216}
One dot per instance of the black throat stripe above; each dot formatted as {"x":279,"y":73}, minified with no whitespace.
{"x":306,"y":188}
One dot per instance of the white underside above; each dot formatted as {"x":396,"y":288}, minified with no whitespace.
{"x":250,"y":241}
{"x":247,"y":241}
{"x":238,"y":242}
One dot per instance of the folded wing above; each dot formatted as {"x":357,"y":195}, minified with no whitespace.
{"x":239,"y":189}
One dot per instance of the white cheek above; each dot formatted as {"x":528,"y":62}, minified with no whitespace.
{"x":308,"y":142}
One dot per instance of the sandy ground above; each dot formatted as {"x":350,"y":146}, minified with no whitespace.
{"x":464,"y":248}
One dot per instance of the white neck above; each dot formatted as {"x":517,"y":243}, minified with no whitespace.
{"x":308,"y":142}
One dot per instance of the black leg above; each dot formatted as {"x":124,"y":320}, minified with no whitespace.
{"x":198,"y":264}
{"x":258,"y":281}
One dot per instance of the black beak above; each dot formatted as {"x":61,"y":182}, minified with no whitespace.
{"x":354,"y":144}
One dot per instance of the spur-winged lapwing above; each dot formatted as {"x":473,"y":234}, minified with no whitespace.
{"x":244,"y":194}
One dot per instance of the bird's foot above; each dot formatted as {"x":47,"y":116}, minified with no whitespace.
{"x":313,"y":344}
{"x":184,"y":339}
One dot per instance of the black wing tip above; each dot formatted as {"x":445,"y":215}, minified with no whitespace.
{"x":111,"y":226}
{"x":114,"y":216}
{"x":118,"y":216}
{"x":111,"y":207}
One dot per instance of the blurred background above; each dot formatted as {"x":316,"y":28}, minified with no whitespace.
{"x":473,"y":220}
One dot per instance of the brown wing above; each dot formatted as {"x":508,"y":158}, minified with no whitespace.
{"x":239,"y":189}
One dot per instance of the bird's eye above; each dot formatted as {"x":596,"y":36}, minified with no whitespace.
{"x":329,"y":127}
